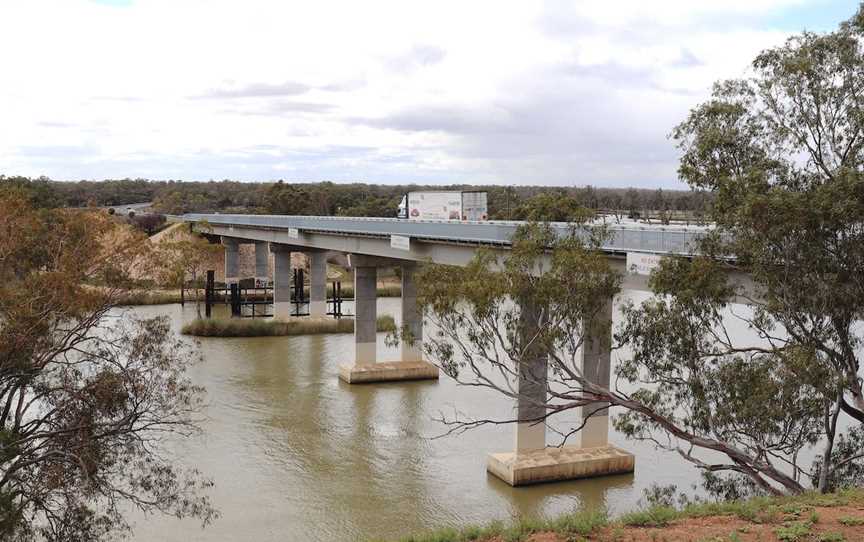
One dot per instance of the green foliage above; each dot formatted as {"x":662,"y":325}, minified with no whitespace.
{"x":782,"y":154}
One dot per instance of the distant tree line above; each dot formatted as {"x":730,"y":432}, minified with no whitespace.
{"x":355,"y":199}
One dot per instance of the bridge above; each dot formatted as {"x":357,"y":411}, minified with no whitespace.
{"x":372,"y":243}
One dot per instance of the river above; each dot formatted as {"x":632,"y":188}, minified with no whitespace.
{"x":298,"y":455}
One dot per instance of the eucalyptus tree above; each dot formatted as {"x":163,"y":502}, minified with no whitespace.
{"x":783,"y":153}
{"x":87,"y":395}
{"x":781,"y":156}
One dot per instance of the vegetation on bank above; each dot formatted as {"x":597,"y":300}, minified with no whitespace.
{"x":251,"y":327}
{"x":810,"y":517}
{"x":147,"y":297}
{"x":165,"y":297}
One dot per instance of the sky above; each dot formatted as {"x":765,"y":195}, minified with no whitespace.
{"x":544,"y":92}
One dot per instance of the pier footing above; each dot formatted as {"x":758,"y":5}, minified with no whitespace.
{"x":559,"y":464}
{"x":390,"y":371}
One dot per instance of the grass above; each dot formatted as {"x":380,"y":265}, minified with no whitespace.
{"x":658,"y":516}
{"x":252,"y":327}
{"x":571,"y":525}
{"x":851,"y":521}
{"x":794,"y":515}
{"x":794,"y":531}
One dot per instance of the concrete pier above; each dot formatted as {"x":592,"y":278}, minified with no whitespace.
{"x":262,"y":257}
{"x":412,"y":319}
{"x":282,"y":279}
{"x":532,"y":382}
{"x":365,"y":368}
{"x":365,"y":315}
{"x":318,"y":284}
{"x":232,"y":260}
{"x":531,"y":461}
{"x":596,"y":367}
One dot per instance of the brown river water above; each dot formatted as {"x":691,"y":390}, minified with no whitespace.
{"x":296,"y":454}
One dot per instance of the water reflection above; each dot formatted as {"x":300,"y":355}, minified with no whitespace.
{"x":298,"y":455}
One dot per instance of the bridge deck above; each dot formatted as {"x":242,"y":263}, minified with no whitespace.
{"x":624,"y":238}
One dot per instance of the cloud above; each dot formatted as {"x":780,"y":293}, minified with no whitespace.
{"x":540,"y":91}
{"x":281,"y":108}
{"x":257,"y":90}
{"x":56,"y":124}
{"x":418,"y":57}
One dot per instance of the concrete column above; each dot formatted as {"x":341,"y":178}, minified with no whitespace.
{"x":232,"y":260}
{"x":532,"y":383}
{"x":262,"y":255}
{"x":596,"y":364}
{"x":365,"y":315}
{"x":412,"y":319}
{"x":282,"y":279}
{"x":318,"y":284}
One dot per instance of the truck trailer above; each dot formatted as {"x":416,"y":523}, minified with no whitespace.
{"x":444,"y":205}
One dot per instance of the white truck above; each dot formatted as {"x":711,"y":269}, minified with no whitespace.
{"x":444,"y":205}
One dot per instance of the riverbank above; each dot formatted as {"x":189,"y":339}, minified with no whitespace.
{"x":835,"y":517}
{"x":251,"y":327}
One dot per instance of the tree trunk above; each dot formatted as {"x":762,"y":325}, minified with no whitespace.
{"x":830,"y":432}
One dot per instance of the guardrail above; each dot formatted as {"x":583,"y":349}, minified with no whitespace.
{"x":624,"y":238}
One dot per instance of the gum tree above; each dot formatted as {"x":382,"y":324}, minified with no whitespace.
{"x":783,"y":154}
{"x":87,"y":394}
{"x":780,"y":155}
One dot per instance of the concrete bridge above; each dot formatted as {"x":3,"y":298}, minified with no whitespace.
{"x":371,"y":243}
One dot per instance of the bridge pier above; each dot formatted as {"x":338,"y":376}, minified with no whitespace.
{"x":531,"y":461}
{"x":232,"y":260}
{"x":282,"y":279}
{"x":318,"y":284}
{"x":262,"y":260}
{"x":412,"y":319}
{"x":365,"y":368}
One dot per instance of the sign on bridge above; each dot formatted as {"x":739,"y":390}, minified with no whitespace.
{"x":641,"y":263}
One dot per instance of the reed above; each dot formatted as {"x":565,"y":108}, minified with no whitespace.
{"x":251,"y":327}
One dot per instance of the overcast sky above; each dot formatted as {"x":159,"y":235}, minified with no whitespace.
{"x":516,"y":92}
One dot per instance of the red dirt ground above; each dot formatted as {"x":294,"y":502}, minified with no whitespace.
{"x":731,"y":529}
